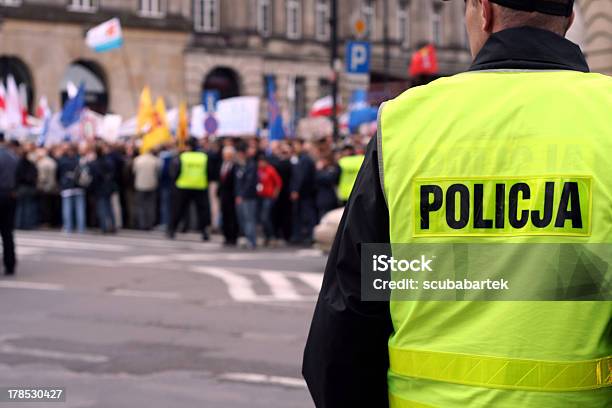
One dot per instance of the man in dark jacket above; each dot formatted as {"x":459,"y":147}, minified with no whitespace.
{"x":246,"y":194}
{"x":73,"y":194}
{"x":8,"y":170}
{"x":227,"y":196}
{"x":102,"y":187}
{"x":302,"y":195}
{"x":27,"y":177}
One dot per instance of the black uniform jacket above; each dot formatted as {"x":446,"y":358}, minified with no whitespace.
{"x":346,"y":359}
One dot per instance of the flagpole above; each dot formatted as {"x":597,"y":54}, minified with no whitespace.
{"x":130,"y":77}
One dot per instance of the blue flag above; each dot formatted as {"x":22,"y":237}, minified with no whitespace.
{"x":275,"y":119}
{"x":73,"y":107}
{"x":360,"y":111}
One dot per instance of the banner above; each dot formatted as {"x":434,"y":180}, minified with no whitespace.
{"x":238,"y":116}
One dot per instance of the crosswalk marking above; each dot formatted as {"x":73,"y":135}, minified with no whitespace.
{"x":314,"y":280}
{"x":240,"y":288}
{"x":280,"y":286}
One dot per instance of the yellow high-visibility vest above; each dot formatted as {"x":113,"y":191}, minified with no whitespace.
{"x":193,"y":175}
{"x":500,"y":157}
{"x":349,"y":168}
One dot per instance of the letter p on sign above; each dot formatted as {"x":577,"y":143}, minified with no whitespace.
{"x":358,"y":57}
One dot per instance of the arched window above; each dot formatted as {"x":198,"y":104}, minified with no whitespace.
{"x":222,"y":79}
{"x":13,"y":66}
{"x":92,"y":76}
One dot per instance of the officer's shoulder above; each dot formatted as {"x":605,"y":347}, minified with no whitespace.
{"x":434,"y":89}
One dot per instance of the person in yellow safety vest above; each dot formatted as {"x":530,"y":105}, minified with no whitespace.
{"x":502,"y":171}
{"x":349,"y":165}
{"x":191,"y":187}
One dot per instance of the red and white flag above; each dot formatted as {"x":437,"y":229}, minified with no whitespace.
{"x":323,"y":107}
{"x":2,"y":98}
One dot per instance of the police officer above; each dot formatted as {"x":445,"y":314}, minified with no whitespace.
{"x":349,"y":164}
{"x":191,"y":187}
{"x":478,"y":157}
{"x":8,"y":168}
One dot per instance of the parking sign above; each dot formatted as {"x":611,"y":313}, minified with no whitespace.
{"x":358,"y":57}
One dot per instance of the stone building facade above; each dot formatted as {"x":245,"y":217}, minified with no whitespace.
{"x":180,"y":47}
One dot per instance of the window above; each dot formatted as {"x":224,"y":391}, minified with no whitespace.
{"x":152,"y":8}
{"x":300,"y":108}
{"x":436,"y":25}
{"x":264,"y":17}
{"x":294,"y":19}
{"x":206,"y":15}
{"x":10,"y":2}
{"x":403,"y":22}
{"x":322,"y":16}
{"x":368,"y":9}
{"x":325,"y":87}
{"x":83,"y":5}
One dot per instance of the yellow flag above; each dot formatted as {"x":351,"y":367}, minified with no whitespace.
{"x":145,"y":110}
{"x":183,"y":125}
{"x":159,"y":132}
{"x":160,"y":113}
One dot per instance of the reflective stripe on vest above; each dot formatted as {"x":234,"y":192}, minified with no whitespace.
{"x":505,"y":373}
{"x":349,"y":168}
{"x":496,"y":157}
{"x":193,"y":174}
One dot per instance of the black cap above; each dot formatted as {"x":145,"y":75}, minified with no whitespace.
{"x":553,"y":7}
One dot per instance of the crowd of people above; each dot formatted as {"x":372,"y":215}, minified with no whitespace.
{"x":249,"y":188}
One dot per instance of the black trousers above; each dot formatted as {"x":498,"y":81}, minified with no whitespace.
{"x":183,"y":199}
{"x":7,"y":226}
{"x":229,"y":219}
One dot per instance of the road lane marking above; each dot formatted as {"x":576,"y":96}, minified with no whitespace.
{"x":239,"y":287}
{"x":70,"y":245}
{"x":253,"y":378}
{"x":280,"y":286}
{"x":30,"y":285}
{"x":144,"y":259}
{"x":146,"y":294}
{"x":51,"y":354}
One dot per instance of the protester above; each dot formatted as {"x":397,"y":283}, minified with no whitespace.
{"x":268,"y":188}
{"x":102,"y":188}
{"x":146,"y":178}
{"x":227,"y":196}
{"x":8,"y":177}
{"x":246,"y":194}
{"x":27,"y":177}
{"x":303,"y":194}
{"x":73,"y":194}
{"x":280,"y":158}
{"x":326,"y":182}
{"x":47,"y":187}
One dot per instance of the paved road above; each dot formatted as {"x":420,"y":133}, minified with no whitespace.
{"x":138,"y":321}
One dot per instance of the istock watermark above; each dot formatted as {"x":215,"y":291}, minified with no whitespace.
{"x":486,"y":272}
